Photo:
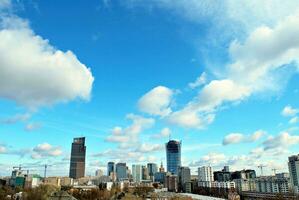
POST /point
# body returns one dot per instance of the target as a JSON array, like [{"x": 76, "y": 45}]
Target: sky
[{"x": 220, "y": 76}]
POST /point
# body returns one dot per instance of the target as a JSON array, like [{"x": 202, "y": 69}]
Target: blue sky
[{"x": 127, "y": 74}]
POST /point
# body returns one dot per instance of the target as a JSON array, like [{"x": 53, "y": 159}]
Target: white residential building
[
  {"x": 224, "y": 184},
  {"x": 280, "y": 183},
  {"x": 205, "y": 174}
]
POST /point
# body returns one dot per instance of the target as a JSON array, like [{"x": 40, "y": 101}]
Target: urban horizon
[{"x": 190, "y": 83}]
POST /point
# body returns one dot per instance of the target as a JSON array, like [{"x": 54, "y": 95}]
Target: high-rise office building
[
  {"x": 184, "y": 175},
  {"x": 121, "y": 171},
  {"x": 110, "y": 168},
  {"x": 152, "y": 169},
  {"x": 173, "y": 156},
  {"x": 77, "y": 164},
  {"x": 145, "y": 175},
  {"x": 137, "y": 173},
  {"x": 294, "y": 172}
]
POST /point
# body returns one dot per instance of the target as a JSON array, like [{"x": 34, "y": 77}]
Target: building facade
[
  {"x": 294, "y": 172},
  {"x": 205, "y": 173},
  {"x": 184, "y": 175},
  {"x": 171, "y": 183},
  {"x": 121, "y": 171},
  {"x": 77, "y": 163},
  {"x": 110, "y": 168},
  {"x": 152, "y": 169},
  {"x": 137, "y": 173},
  {"x": 173, "y": 156}
]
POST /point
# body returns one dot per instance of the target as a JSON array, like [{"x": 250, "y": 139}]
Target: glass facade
[
  {"x": 173, "y": 156},
  {"x": 110, "y": 168},
  {"x": 121, "y": 171},
  {"x": 77, "y": 163}
]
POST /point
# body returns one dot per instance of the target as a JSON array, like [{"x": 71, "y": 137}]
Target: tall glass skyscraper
[
  {"x": 77, "y": 165},
  {"x": 173, "y": 156},
  {"x": 110, "y": 168},
  {"x": 121, "y": 171}
]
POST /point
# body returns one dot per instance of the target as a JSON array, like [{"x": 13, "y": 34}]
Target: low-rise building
[{"x": 52, "y": 181}]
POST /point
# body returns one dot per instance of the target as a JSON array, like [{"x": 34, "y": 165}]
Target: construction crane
[
  {"x": 20, "y": 168},
  {"x": 45, "y": 170},
  {"x": 261, "y": 167}
]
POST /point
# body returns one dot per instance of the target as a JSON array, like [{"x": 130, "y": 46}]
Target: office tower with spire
[
  {"x": 173, "y": 156},
  {"x": 77, "y": 163}
]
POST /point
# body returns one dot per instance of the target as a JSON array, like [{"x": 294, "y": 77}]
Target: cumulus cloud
[
  {"x": 156, "y": 101},
  {"x": 129, "y": 136},
  {"x": 211, "y": 159},
  {"x": 33, "y": 73},
  {"x": 235, "y": 138},
  {"x": 201, "y": 80},
  {"x": 294, "y": 120},
  {"x": 165, "y": 132},
  {"x": 122, "y": 155},
  {"x": 261, "y": 63},
  {"x": 289, "y": 111},
  {"x": 45, "y": 150},
  {"x": 200, "y": 112},
  {"x": 147, "y": 148},
  {"x": 281, "y": 141}
]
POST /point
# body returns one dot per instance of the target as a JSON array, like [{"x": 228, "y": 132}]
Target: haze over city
[{"x": 219, "y": 76}]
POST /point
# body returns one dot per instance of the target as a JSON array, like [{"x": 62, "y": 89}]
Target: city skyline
[{"x": 129, "y": 76}]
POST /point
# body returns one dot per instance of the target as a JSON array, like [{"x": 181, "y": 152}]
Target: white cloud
[
  {"x": 200, "y": 112},
  {"x": 32, "y": 126},
  {"x": 262, "y": 63},
  {"x": 165, "y": 132},
  {"x": 289, "y": 111},
  {"x": 201, "y": 80},
  {"x": 5, "y": 4},
  {"x": 148, "y": 148},
  {"x": 156, "y": 101},
  {"x": 281, "y": 141},
  {"x": 211, "y": 159},
  {"x": 2, "y": 149},
  {"x": 16, "y": 118},
  {"x": 235, "y": 138},
  {"x": 129, "y": 136},
  {"x": 294, "y": 120},
  {"x": 33, "y": 73},
  {"x": 45, "y": 150}
]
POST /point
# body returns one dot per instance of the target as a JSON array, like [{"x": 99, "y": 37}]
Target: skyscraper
[
  {"x": 173, "y": 156},
  {"x": 184, "y": 175},
  {"x": 121, "y": 171},
  {"x": 152, "y": 169},
  {"x": 137, "y": 173},
  {"x": 110, "y": 168},
  {"x": 294, "y": 172},
  {"x": 77, "y": 164},
  {"x": 145, "y": 175}
]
